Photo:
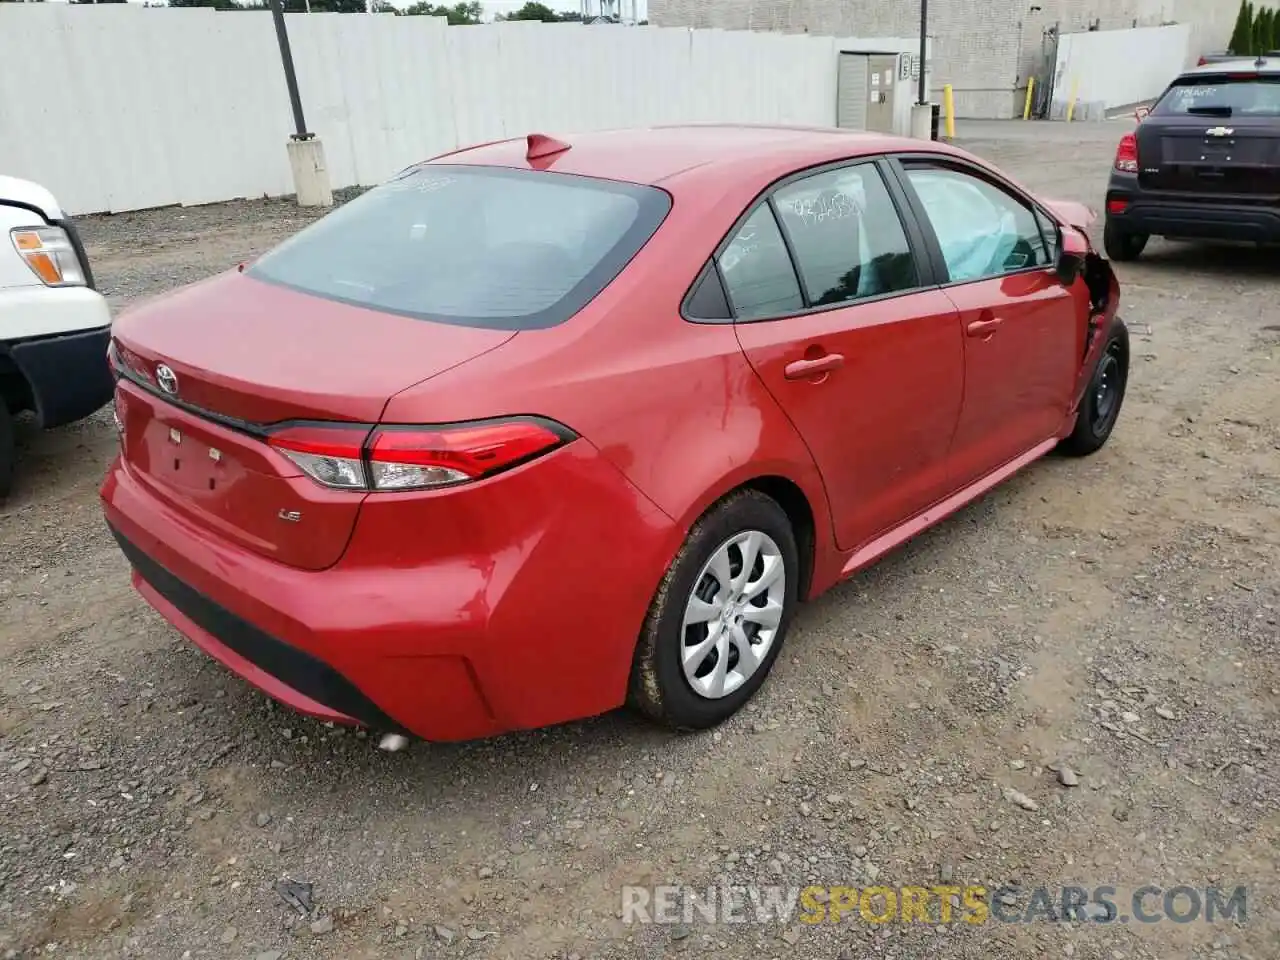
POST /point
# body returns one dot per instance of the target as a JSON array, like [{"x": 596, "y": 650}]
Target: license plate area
[{"x": 189, "y": 462}]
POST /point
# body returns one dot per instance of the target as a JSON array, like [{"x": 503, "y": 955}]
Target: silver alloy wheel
[{"x": 732, "y": 616}]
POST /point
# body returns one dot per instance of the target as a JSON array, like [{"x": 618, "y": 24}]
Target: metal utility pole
[
  {"x": 922, "y": 97},
  {"x": 290, "y": 78}
]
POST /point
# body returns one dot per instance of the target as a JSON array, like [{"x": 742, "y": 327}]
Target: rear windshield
[
  {"x": 1222, "y": 96},
  {"x": 478, "y": 246}
]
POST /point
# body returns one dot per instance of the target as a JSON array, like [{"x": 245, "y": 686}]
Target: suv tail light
[
  {"x": 1201, "y": 62},
  {"x": 388, "y": 458},
  {"x": 1127, "y": 154}
]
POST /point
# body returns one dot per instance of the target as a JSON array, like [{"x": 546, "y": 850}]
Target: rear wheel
[
  {"x": 720, "y": 615},
  {"x": 1100, "y": 406},
  {"x": 1122, "y": 244},
  {"x": 8, "y": 454}
]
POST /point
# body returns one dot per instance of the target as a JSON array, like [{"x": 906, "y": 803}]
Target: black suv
[{"x": 1203, "y": 164}]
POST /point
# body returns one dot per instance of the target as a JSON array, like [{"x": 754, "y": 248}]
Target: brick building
[{"x": 985, "y": 49}]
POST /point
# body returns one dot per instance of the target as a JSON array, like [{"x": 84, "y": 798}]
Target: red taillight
[
  {"x": 1201, "y": 62},
  {"x": 1117, "y": 205},
  {"x": 330, "y": 454},
  {"x": 359, "y": 457},
  {"x": 124, "y": 360},
  {"x": 1127, "y": 154}
]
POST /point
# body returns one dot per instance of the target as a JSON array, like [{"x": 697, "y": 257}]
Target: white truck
[{"x": 54, "y": 326}]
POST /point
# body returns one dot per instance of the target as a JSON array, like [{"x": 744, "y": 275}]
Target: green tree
[
  {"x": 1260, "y": 33},
  {"x": 216, "y": 4},
  {"x": 1242, "y": 35},
  {"x": 459, "y": 14},
  {"x": 535, "y": 11}
]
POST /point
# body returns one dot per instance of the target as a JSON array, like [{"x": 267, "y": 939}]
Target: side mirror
[{"x": 1073, "y": 247}]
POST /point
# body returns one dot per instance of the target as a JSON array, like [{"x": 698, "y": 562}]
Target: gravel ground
[{"x": 1095, "y": 639}]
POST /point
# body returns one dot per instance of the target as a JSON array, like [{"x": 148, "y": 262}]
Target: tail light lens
[
  {"x": 332, "y": 456},
  {"x": 49, "y": 253},
  {"x": 1201, "y": 62},
  {"x": 1127, "y": 154},
  {"x": 123, "y": 360},
  {"x": 390, "y": 458}
]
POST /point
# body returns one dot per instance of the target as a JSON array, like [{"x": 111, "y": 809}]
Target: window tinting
[
  {"x": 757, "y": 269},
  {"x": 1211, "y": 96},
  {"x": 845, "y": 231},
  {"x": 983, "y": 231},
  {"x": 708, "y": 302},
  {"x": 478, "y": 246}
]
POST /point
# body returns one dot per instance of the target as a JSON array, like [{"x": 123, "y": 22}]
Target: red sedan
[{"x": 540, "y": 428}]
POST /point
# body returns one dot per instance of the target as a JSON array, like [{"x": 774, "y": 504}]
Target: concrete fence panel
[{"x": 119, "y": 107}]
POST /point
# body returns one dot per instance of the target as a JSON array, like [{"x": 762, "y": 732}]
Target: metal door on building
[{"x": 865, "y": 85}]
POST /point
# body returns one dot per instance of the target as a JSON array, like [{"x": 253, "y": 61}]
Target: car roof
[
  {"x": 1262, "y": 65},
  {"x": 667, "y": 154}
]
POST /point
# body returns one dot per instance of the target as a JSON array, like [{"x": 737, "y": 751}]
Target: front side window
[
  {"x": 982, "y": 230},
  {"x": 1049, "y": 231},
  {"x": 477, "y": 246},
  {"x": 848, "y": 240},
  {"x": 757, "y": 269}
]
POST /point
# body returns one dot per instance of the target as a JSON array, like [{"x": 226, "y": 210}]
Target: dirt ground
[{"x": 1116, "y": 616}]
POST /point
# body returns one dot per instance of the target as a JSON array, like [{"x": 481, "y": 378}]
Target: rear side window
[
  {"x": 1222, "y": 96},
  {"x": 757, "y": 269},
  {"x": 848, "y": 240},
  {"x": 477, "y": 246}
]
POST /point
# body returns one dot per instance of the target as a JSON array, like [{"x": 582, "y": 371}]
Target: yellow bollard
[
  {"x": 1026, "y": 107},
  {"x": 949, "y": 111},
  {"x": 1075, "y": 89}
]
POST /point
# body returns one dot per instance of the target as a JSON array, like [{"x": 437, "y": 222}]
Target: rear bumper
[
  {"x": 533, "y": 627},
  {"x": 1189, "y": 218},
  {"x": 287, "y": 673}
]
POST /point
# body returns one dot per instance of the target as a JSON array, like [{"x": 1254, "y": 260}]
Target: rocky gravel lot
[{"x": 1073, "y": 681}]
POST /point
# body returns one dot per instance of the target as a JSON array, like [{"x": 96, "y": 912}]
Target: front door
[
  {"x": 866, "y": 361},
  {"x": 1019, "y": 322}
]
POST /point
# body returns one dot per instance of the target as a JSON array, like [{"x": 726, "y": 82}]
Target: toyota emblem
[{"x": 167, "y": 379}]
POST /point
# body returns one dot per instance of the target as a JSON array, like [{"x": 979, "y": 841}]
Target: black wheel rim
[{"x": 1108, "y": 388}]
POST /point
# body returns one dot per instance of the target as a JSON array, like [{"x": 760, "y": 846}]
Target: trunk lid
[
  {"x": 256, "y": 352},
  {"x": 1211, "y": 156},
  {"x": 245, "y": 354}
]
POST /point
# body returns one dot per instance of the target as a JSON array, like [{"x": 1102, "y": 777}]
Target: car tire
[
  {"x": 1122, "y": 244},
  {"x": 1101, "y": 403},
  {"x": 677, "y": 662},
  {"x": 8, "y": 451}
]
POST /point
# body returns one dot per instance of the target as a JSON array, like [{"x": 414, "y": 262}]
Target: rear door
[
  {"x": 1020, "y": 324},
  {"x": 1216, "y": 136},
  {"x": 840, "y": 319}
]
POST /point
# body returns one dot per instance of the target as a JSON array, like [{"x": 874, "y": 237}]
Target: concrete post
[
  {"x": 310, "y": 174},
  {"x": 922, "y": 121}
]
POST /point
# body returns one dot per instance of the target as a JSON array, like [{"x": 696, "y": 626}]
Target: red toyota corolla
[{"x": 540, "y": 428}]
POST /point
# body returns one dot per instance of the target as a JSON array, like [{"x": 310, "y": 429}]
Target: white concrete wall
[
  {"x": 1115, "y": 68},
  {"x": 985, "y": 49},
  {"x": 119, "y": 107}
]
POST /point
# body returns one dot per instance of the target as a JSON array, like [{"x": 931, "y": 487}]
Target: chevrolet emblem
[{"x": 1219, "y": 132}]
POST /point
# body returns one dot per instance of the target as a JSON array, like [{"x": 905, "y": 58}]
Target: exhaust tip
[{"x": 393, "y": 742}]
